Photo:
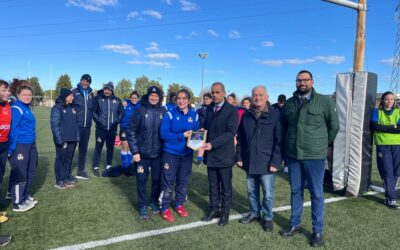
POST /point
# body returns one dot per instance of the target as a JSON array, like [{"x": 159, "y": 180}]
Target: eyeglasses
[{"x": 302, "y": 80}]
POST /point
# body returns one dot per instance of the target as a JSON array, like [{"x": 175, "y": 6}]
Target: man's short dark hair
[
  {"x": 220, "y": 84},
  {"x": 305, "y": 71},
  {"x": 282, "y": 98},
  {"x": 4, "y": 83}
]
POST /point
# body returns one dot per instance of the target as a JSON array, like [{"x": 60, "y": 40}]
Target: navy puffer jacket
[
  {"x": 64, "y": 123},
  {"x": 143, "y": 132}
]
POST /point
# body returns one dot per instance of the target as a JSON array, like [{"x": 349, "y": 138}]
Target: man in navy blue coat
[{"x": 258, "y": 152}]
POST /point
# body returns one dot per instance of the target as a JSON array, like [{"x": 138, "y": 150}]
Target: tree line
[{"x": 122, "y": 89}]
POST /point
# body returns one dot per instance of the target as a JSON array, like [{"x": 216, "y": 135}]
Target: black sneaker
[
  {"x": 5, "y": 239},
  {"x": 71, "y": 180},
  {"x": 96, "y": 172},
  {"x": 392, "y": 204},
  {"x": 83, "y": 176}
]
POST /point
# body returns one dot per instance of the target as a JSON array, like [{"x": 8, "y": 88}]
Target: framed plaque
[{"x": 197, "y": 139}]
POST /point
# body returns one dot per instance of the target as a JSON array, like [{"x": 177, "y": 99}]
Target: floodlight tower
[{"x": 202, "y": 55}]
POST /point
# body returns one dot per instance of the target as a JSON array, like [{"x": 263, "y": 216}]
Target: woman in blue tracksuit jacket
[
  {"x": 132, "y": 104},
  {"x": 177, "y": 157},
  {"x": 22, "y": 150},
  {"x": 65, "y": 128}
]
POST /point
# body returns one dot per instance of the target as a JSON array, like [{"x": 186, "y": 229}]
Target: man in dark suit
[{"x": 221, "y": 123}]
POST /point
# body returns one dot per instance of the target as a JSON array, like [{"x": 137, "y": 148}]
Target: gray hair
[{"x": 259, "y": 87}]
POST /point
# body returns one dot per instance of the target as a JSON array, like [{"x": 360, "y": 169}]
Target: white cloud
[
  {"x": 169, "y": 2},
  {"x": 188, "y": 36},
  {"x": 234, "y": 34},
  {"x": 162, "y": 56},
  {"x": 213, "y": 33},
  {"x": 331, "y": 59},
  {"x": 267, "y": 44},
  {"x": 92, "y": 5},
  {"x": 270, "y": 62},
  {"x": 132, "y": 15},
  {"x": 152, "y": 13},
  {"x": 188, "y": 6},
  {"x": 298, "y": 61},
  {"x": 220, "y": 71},
  {"x": 153, "y": 47},
  {"x": 151, "y": 63},
  {"x": 121, "y": 49},
  {"x": 387, "y": 61}
]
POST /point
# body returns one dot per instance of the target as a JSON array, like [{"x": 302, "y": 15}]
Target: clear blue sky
[{"x": 250, "y": 42}]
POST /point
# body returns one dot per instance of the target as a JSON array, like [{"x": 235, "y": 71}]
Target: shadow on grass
[
  {"x": 199, "y": 194},
  {"x": 41, "y": 173}
]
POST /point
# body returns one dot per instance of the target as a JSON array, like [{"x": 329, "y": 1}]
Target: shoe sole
[
  {"x": 24, "y": 210},
  {"x": 82, "y": 178},
  {"x": 60, "y": 188},
  {"x": 5, "y": 243}
]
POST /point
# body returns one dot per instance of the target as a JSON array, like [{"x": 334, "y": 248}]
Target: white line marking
[{"x": 141, "y": 235}]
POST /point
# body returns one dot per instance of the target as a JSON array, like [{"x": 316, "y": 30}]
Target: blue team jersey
[{"x": 173, "y": 125}]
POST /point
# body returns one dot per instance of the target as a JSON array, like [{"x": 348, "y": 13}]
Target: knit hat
[
  {"x": 109, "y": 85},
  {"x": 155, "y": 89},
  {"x": 87, "y": 77},
  {"x": 64, "y": 93}
]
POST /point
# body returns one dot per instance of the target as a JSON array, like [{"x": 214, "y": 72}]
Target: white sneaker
[
  {"x": 23, "y": 207},
  {"x": 33, "y": 202}
]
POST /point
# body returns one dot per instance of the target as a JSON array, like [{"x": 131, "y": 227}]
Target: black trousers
[
  {"x": 84, "y": 136},
  {"x": 220, "y": 186},
  {"x": 109, "y": 138},
  {"x": 144, "y": 167},
  {"x": 63, "y": 162},
  {"x": 23, "y": 164},
  {"x": 3, "y": 160}
]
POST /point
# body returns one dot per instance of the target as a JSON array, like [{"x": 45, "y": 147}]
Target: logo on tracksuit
[
  {"x": 166, "y": 166},
  {"x": 380, "y": 155},
  {"x": 140, "y": 169},
  {"x": 190, "y": 120},
  {"x": 98, "y": 139},
  {"x": 20, "y": 157}
]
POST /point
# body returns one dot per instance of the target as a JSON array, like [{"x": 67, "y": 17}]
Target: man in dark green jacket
[{"x": 311, "y": 125}]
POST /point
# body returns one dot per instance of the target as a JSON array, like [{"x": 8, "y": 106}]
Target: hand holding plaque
[{"x": 197, "y": 139}]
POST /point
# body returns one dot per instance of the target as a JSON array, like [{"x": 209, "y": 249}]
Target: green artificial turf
[{"x": 101, "y": 208}]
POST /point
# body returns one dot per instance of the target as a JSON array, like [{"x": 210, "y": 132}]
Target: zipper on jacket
[
  {"x": 108, "y": 114},
  {"x": 84, "y": 97}
]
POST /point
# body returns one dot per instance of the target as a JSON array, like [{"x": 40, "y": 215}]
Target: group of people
[{"x": 255, "y": 136}]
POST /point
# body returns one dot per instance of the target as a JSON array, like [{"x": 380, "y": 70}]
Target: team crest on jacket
[
  {"x": 166, "y": 166},
  {"x": 140, "y": 170},
  {"x": 380, "y": 155},
  {"x": 64, "y": 111},
  {"x": 98, "y": 139},
  {"x": 73, "y": 111},
  {"x": 123, "y": 135},
  {"x": 177, "y": 118},
  {"x": 190, "y": 120},
  {"x": 146, "y": 115},
  {"x": 115, "y": 101},
  {"x": 20, "y": 157}
]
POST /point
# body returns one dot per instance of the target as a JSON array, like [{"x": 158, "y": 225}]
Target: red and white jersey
[{"x": 5, "y": 121}]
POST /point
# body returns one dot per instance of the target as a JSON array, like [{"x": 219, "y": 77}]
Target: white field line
[{"x": 141, "y": 235}]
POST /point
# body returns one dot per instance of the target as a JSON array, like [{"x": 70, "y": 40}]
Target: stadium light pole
[
  {"x": 202, "y": 55},
  {"x": 359, "y": 49}
]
